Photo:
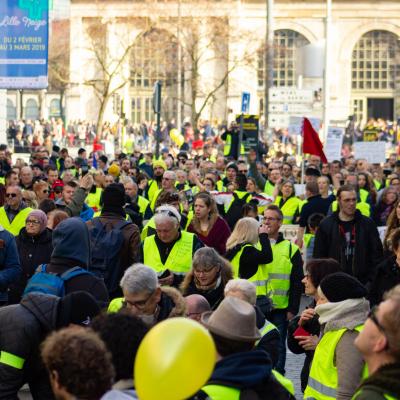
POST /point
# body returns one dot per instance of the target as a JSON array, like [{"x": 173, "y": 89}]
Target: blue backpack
[
  {"x": 49, "y": 283},
  {"x": 106, "y": 245}
]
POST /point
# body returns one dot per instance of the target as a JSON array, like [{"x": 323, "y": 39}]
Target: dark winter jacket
[
  {"x": 368, "y": 247},
  {"x": 387, "y": 276},
  {"x": 22, "y": 329},
  {"x": 33, "y": 251},
  {"x": 72, "y": 248},
  {"x": 383, "y": 381},
  {"x": 247, "y": 370},
  {"x": 10, "y": 270},
  {"x": 270, "y": 341},
  {"x": 171, "y": 304}
]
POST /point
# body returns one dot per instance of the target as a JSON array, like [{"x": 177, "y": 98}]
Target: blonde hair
[
  {"x": 246, "y": 231},
  {"x": 30, "y": 198}
]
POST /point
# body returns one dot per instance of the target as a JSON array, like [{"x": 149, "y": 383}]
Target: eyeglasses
[
  {"x": 271, "y": 219},
  {"x": 372, "y": 316},
  {"x": 13, "y": 195},
  {"x": 137, "y": 304},
  {"x": 32, "y": 222}
]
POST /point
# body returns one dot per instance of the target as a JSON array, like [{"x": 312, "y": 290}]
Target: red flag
[{"x": 311, "y": 143}]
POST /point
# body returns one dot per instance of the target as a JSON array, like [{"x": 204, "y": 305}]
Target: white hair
[
  {"x": 246, "y": 288},
  {"x": 139, "y": 278},
  {"x": 125, "y": 179},
  {"x": 165, "y": 213}
]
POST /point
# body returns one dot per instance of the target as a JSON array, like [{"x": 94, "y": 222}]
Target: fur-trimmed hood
[{"x": 172, "y": 304}]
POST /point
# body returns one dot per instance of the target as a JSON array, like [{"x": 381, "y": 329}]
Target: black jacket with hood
[
  {"x": 22, "y": 329},
  {"x": 72, "y": 248},
  {"x": 249, "y": 371},
  {"x": 368, "y": 251}
]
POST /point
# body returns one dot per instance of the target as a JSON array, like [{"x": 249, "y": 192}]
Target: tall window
[
  {"x": 285, "y": 44},
  {"x": 11, "y": 110},
  {"x": 154, "y": 57},
  {"x": 31, "y": 109},
  {"x": 374, "y": 61}
]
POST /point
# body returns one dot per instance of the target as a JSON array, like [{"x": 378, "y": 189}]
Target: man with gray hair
[
  {"x": 270, "y": 337},
  {"x": 167, "y": 185},
  {"x": 169, "y": 251},
  {"x": 144, "y": 298}
]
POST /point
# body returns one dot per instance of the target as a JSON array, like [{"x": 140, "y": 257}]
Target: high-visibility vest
[
  {"x": 11, "y": 360},
  {"x": 363, "y": 195},
  {"x": 143, "y": 203},
  {"x": 154, "y": 199},
  {"x": 220, "y": 186},
  {"x": 269, "y": 188},
  {"x": 17, "y": 223},
  {"x": 93, "y": 199},
  {"x": 289, "y": 208},
  {"x": 152, "y": 189},
  {"x": 307, "y": 239},
  {"x": 219, "y": 392},
  {"x": 185, "y": 187},
  {"x": 279, "y": 271},
  {"x": 228, "y": 144},
  {"x": 240, "y": 195},
  {"x": 115, "y": 305},
  {"x": 260, "y": 279},
  {"x": 267, "y": 327},
  {"x": 179, "y": 260},
  {"x": 150, "y": 224},
  {"x": 323, "y": 378},
  {"x": 364, "y": 208},
  {"x": 2, "y": 180}
]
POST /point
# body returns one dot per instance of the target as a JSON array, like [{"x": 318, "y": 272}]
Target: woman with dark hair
[
  {"x": 366, "y": 188},
  {"x": 316, "y": 270},
  {"x": 385, "y": 206},
  {"x": 388, "y": 271},
  {"x": 209, "y": 274},
  {"x": 393, "y": 222},
  {"x": 209, "y": 227}
]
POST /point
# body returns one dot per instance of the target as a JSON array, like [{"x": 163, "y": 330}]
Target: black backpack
[
  {"x": 105, "y": 250},
  {"x": 235, "y": 210}
]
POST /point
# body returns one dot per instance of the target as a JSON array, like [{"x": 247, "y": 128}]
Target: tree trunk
[{"x": 100, "y": 117}]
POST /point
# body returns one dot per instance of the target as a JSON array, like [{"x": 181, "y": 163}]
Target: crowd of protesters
[{"x": 119, "y": 244}]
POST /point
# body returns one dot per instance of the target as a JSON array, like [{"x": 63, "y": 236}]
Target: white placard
[
  {"x": 373, "y": 152},
  {"x": 289, "y": 232},
  {"x": 333, "y": 145}
]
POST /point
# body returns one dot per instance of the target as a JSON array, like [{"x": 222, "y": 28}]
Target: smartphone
[{"x": 300, "y": 331}]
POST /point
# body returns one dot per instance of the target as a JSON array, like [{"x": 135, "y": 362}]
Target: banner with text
[
  {"x": 24, "y": 32},
  {"x": 373, "y": 152},
  {"x": 333, "y": 145}
]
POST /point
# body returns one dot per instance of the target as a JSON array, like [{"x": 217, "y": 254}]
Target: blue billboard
[{"x": 24, "y": 33}]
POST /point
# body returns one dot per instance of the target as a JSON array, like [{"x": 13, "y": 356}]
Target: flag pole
[{"x": 302, "y": 153}]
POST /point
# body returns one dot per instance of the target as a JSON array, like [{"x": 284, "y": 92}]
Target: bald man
[{"x": 195, "y": 306}]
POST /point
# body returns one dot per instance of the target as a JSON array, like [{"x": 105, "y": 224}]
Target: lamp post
[
  {"x": 269, "y": 62},
  {"x": 328, "y": 23}
]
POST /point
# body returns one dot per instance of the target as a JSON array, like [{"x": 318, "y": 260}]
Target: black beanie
[
  {"x": 113, "y": 196},
  {"x": 341, "y": 286},
  {"x": 77, "y": 308}
]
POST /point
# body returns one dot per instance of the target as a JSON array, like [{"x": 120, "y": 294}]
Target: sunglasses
[
  {"x": 167, "y": 212},
  {"x": 13, "y": 195},
  {"x": 372, "y": 316}
]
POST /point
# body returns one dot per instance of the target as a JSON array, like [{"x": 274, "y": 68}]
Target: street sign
[
  {"x": 24, "y": 31},
  {"x": 250, "y": 131},
  {"x": 290, "y": 95},
  {"x": 245, "y": 102}
]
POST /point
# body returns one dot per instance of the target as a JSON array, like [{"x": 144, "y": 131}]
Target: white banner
[
  {"x": 333, "y": 145},
  {"x": 373, "y": 152}
]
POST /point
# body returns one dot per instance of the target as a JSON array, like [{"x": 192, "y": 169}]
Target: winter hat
[
  {"x": 341, "y": 286},
  {"x": 160, "y": 163},
  {"x": 233, "y": 166},
  {"x": 113, "y": 199},
  {"x": 114, "y": 170},
  {"x": 77, "y": 308},
  {"x": 41, "y": 217}
]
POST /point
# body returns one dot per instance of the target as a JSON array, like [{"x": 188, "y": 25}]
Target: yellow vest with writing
[
  {"x": 179, "y": 260},
  {"x": 323, "y": 378},
  {"x": 17, "y": 223}
]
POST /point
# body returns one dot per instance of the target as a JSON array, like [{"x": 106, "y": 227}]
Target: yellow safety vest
[
  {"x": 279, "y": 271},
  {"x": 220, "y": 186},
  {"x": 179, "y": 260},
  {"x": 260, "y": 279},
  {"x": 289, "y": 208},
  {"x": 17, "y": 223},
  {"x": 219, "y": 392},
  {"x": 363, "y": 195},
  {"x": 268, "y": 327},
  {"x": 307, "y": 239},
  {"x": 152, "y": 189},
  {"x": 93, "y": 199},
  {"x": 150, "y": 224},
  {"x": 269, "y": 188},
  {"x": 228, "y": 144},
  {"x": 364, "y": 208},
  {"x": 2, "y": 180},
  {"x": 142, "y": 203},
  {"x": 240, "y": 195},
  {"x": 323, "y": 378},
  {"x": 154, "y": 199}
]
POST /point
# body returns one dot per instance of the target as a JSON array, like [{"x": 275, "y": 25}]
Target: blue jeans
[{"x": 279, "y": 319}]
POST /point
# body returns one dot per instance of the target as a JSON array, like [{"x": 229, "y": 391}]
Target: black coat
[
  {"x": 368, "y": 246},
  {"x": 22, "y": 329},
  {"x": 387, "y": 276},
  {"x": 33, "y": 251}
]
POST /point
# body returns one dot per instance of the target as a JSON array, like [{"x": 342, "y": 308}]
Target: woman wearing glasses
[
  {"x": 34, "y": 247},
  {"x": 338, "y": 367},
  {"x": 41, "y": 189}
]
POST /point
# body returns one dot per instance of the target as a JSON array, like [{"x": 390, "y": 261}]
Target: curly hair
[
  {"x": 122, "y": 334},
  {"x": 81, "y": 360}
]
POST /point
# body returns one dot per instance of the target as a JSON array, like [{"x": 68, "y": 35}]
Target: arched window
[
  {"x": 11, "y": 110},
  {"x": 374, "y": 61},
  {"x": 285, "y": 44},
  {"x": 55, "y": 108},
  {"x": 31, "y": 109},
  {"x": 154, "y": 57}
]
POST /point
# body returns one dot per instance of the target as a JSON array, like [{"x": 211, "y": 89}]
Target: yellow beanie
[
  {"x": 114, "y": 170},
  {"x": 160, "y": 163}
]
